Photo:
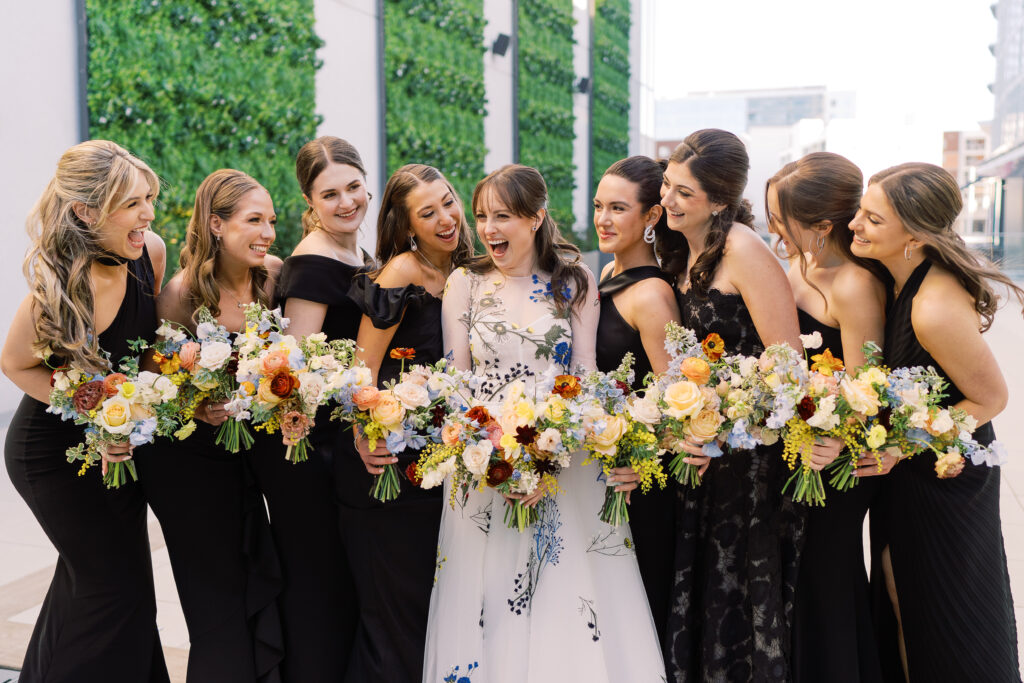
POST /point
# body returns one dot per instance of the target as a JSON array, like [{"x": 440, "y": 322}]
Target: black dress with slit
[
  {"x": 946, "y": 545},
  {"x": 833, "y": 633},
  {"x": 318, "y": 604},
  {"x": 98, "y": 620},
  {"x": 651, "y": 516},
  {"x": 737, "y": 544},
  {"x": 392, "y": 546}
]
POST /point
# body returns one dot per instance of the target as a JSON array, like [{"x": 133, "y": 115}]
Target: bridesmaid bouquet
[
  {"x": 203, "y": 366},
  {"x": 115, "y": 408},
  {"x": 615, "y": 438}
]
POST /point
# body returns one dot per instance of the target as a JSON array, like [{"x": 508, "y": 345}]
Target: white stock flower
[{"x": 812, "y": 340}]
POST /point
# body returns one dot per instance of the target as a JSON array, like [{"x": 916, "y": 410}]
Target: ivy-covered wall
[
  {"x": 610, "y": 109},
  {"x": 191, "y": 86},
  {"x": 434, "y": 70},
  {"x": 546, "y": 81}
]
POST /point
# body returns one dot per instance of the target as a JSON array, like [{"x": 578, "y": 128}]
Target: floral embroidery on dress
[
  {"x": 588, "y": 612},
  {"x": 547, "y": 544},
  {"x": 454, "y": 675},
  {"x": 612, "y": 544}
]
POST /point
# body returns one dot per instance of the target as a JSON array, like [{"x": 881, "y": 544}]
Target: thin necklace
[{"x": 238, "y": 302}]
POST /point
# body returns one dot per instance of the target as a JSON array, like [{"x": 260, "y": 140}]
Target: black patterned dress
[
  {"x": 946, "y": 544},
  {"x": 738, "y": 542}
]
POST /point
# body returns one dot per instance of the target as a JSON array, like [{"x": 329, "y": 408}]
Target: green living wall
[
  {"x": 610, "y": 109},
  {"x": 546, "y": 81},
  {"x": 434, "y": 70},
  {"x": 193, "y": 86}
]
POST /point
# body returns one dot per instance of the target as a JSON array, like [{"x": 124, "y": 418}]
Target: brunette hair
[
  {"x": 98, "y": 174},
  {"x": 648, "y": 174},
  {"x": 927, "y": 200},
  {"x": 394, "y": 226},
  {"x": 313, "y": 158},
  {"x": 218, "y": 195},
  {"x": 821, "y": 186},
  {"x": 523, "y": 192},
  {"x": 718, "y": 161}
]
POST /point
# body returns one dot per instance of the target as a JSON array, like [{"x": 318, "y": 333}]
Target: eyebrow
[{"x": 428, "y": 206}]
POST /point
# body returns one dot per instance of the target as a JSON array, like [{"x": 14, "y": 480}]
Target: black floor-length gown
[
  {"x": 225, "y": 565},
  {"x": 833, "y": 633},
  {"x": 946, "y": 544},
  {"x": 318, "y": 604},
  {"x": 738, "y": 542},
  {"x": 98, "y": 621},
  {"x": 392, "y": 546},
  {"x": 651, "y": 515}
]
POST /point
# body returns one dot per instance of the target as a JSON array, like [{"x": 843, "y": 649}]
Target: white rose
[
  {"x": 645, "y": 410},
  {"x": 411, "y": 396},
  {"x": 311, "y": 387},
  {"x": 823, "y": 420},
  {"x": 942, "y": 423},
  {"x": 115, "y": 416},
  {"x": 417, "y": 375},
  {"x": 477, "y": 457},
  {"x": 214, "y": 355},
  {"x": 165, "y": 388},
  {"x": 549, "y": 440},
  {"x": 812, "y": 340}
]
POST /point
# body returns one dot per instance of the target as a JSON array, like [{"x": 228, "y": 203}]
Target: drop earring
[{"x": 412, "y": 243}]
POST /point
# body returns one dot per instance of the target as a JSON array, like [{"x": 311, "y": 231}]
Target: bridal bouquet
[
  {"x": 616, "y": 438},
  {"x": 203, "y": 367},
  {"x": 115, "y": 408},
  {"x": 406, "y": 414}
]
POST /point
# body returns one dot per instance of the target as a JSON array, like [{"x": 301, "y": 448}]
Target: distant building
[{"x": 962, "y": 152}]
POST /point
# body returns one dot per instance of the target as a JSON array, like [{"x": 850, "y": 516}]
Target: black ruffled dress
[{"x": 392, "y": 546}]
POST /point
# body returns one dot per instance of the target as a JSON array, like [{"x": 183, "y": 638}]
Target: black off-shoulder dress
[
  {"x": 98, "y": 621},
  {"x": 651, "y": 516},
  {"x": 392, "y": 546}
]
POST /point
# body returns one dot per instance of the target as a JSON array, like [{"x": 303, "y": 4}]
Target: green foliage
[
  {"x": 193, "y": 86},
  {"x": 433, "y": 52},
  {"x": 610, "y": 130},
  {"x": 546, "y": 119}
]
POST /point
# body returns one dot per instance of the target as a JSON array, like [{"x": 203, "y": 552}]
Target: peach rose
[
  {"x": 704, "y": 425},
  {"x": 607, "y": 440},
  {"x": 450, "y": 433},
  {"x": 388, "y": 411},
  {"x": 187, "y": 355},
  {"x": 711, "y": 398},
  {"x": 264, "y": 394},
  {"x": 696, "y": 370},
  {"x": 365, "y": 398},
  {"x": 949, "y": 465},
  {"x": 860, "y": 395},
  {"x": 683, "y": 399},
  {"x": 273, "y": 361}
]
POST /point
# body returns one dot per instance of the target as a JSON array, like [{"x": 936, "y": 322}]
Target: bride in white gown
[{"x": 563, "y": 600}]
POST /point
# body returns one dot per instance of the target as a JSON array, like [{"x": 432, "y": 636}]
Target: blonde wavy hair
[
  {"x": 218, "y": 195},
  {"x": 98, "y": 174}
]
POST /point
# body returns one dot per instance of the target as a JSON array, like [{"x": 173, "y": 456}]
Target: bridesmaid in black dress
[
  {"x": 319, "y": 602},
  {"x": 810, "y": 204},
  {"x": 941, "y": 539},
  {"x": 422, "y": 236},
  {"x": 213, "y": 520},
  {"x": 95, "y": 269},
  {"x": 637, "y": 300},
  {"x": 738, "y": 538}
]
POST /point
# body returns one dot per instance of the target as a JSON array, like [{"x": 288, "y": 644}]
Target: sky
[{"x": 919, "y": 67}]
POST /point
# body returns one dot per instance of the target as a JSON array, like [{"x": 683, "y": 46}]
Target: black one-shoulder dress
[
  {"x": 318, "y": 604},
  {"x": 392, "y": 547},
  {"x": 651, "y": 515},
  {"x": 946, "y": 544},
  {"x": 98, "y": 621},
  {"x": 833, "y": 633}
]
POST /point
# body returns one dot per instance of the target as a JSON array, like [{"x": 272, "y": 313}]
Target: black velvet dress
[
  {"x": 318, "y": 604},
  {"x": 737, "y": 544},
  {"x": 98, "y": 621},
  {"x": 392, "y": 546},
  {"x": 946, "y": 544},
  {"x": 651, "y": 516},
  {"x": 833, "y": 634}
]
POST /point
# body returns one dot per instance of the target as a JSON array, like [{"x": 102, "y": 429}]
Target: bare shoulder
[
  {"x": 607, "y": 270},
  {"x": 155, "y": 246},
  {"x": 404, "y": 269},
  {"x": 742, "y": 241},
  {"x": 170, "y": 304},
  {"x": 311, "y": 245},
  {"x": 652, "y": 292},
  {"x": 941, "y": 302},
  {"x": 273, "y": 265},
  {"x": 854, "y": 284}
]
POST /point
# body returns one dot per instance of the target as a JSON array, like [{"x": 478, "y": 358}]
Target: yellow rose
[
  {"x": 388, "y": 411},
  {"x": 683, "y": 399},
  {"x": 554, "y": 407},
  {"x": 615, "y": 427},
  {"x": 114, "y": 415},
  {"x": 876, "y": 437},
  {"x": 525, "y": 412},
  {"x": 859, "y": 394},
  {"x": 265, "y": 395},
  {"x": 704, "y": 425}
]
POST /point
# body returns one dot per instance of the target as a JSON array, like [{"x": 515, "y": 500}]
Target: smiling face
[
  {"x": 509, "y": 239},
  {"x": 619, "y": 217},
  {"x": 878, "y": 232},
  {"x": 339, "y": 198},
  {"x": 792, "y": 235},
  {"x": 687, "y": 205},
  {"x": 248, "y": 233},
  {"x": 434, "y": 217},
  {"x": 123, "y": 231}
]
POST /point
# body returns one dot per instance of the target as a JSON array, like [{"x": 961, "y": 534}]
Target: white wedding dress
[{"x": 562, "y": 601}]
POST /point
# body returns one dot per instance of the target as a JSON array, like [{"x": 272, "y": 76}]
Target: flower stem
[{"x": 386, "y": 485}]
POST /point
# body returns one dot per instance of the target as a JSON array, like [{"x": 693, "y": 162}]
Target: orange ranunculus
[
  {"x": 402, "y": 353},
  {"x": 112, "y": 381},
  {"x": 713, "y": 346},
  {"x": 188, "y": 353},
  {"x": 826, "y": 363},
  {"x": 567, "y": 386},
  {"x": 283, "y": 383},
  {"x": 273, "y": 361},
  {"x": 479, "y": 415},
  {"x": 696, "y": 370}
]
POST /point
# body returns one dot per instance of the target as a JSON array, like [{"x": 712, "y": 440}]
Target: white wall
[
  {"x": 581, "y": 110},
  {"x": 498, "y": 73},
  {"x": 39, "y": 120},
  {"x": 641, "y": 78},
  {"x": 347, "y": 91}
]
